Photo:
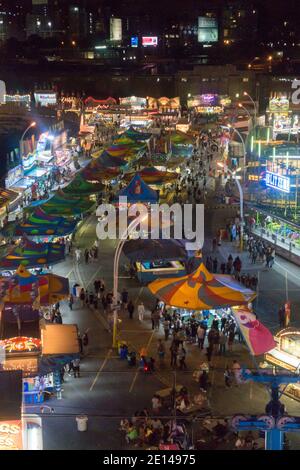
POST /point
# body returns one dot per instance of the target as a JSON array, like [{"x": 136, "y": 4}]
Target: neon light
[
  {"x": 21, "y": 344},
  {"x": 259, "y": 148},
  {"x": 252, "y": 143},
  {"x": 279, "y": 182}
]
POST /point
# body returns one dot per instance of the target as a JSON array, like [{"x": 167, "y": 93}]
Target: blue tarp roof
[{"x": 138, "y": 191}]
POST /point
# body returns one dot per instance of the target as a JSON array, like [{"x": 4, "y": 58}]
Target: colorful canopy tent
[
  {"x": 66, "y": 205},
  {"x": 39, "y": 223},
  {"x": 81, "y": 186},
  {"x": 123, "y": 151},
  {"x": 257, "y": 337},
  {"x": 131, "y": 133},
  {"x": 31, "y": 254},
  {"x": 181, "y": 138},
  {"x": 152, "y": 175},
  {"x": 124, "y": 140},
  {"x": 95, "y": 171},
  {"x": 108, "y": 161},
  {"x": 159, "y": 159},
  {"x": 25, "y": 288},
  {"x": 138, "y": 191},
  {"x": 201, "y": 290},
  {"x": 150, "y": 250}
]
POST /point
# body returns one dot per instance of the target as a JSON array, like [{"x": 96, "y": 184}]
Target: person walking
[
  {"x": 231, "y": 336},
  {"x": 222, "y": 343},
  {"x": 201, "y": 333},
  {"x": 181, "y": 357},
  {"x": 166, "y": 327},
  {"x": 71, "y": 301},
  {"x": 130, "y": 309},
  {"x": 76, "y": 367},
  {"x": 82, "y": 297},
  {"x": 161, "y": 351},
  {"x": 281, "y": 317},
  {"x": 209, "y": 352},
  {"x": 141, "y": 311},
  {"x": 153, "y": 319},
  {"x": 124, "y": 298},
  {"x": 236, "y": 371},
  {"x": 228, "y": 377},
  {"x": 58, "y": 318},
  {"x": 174, "y": 351}
]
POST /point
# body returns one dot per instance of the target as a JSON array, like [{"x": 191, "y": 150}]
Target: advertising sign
[
  {"x": 45, "y": 99},
  {"x": 207, "y": 29},
  {"x": 134, "y": 101},
  {"x": 11, "y": 435},
  {"x": 28, "y": 160},
  {"x": 14, "y": 175},
  {"x": 279, "y": 105},
  {"x": 134, "y": 41},
  {"x": 279, "y": 182},
  {"x": 22, "y": 99},
  {"x": 115, "y": 29},
  {"x": 149, "y": 41}
]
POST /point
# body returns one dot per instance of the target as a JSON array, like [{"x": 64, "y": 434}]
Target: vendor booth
[{"x": 286, "y": 355}]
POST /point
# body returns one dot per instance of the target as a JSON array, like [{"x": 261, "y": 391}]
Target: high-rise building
[{"x": 239, "y": 21}]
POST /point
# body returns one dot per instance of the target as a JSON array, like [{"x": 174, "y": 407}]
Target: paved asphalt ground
[{"x": 108, "y": 389}]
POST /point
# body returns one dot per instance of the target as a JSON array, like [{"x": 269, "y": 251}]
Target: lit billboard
[
  {"x": 45, "y": 99},
  {"x": 134, "y": 41},
  {"x": 207, "y": 29},
  {"x": 115, "y": 29},
  {"x": 149, "y": 41}
]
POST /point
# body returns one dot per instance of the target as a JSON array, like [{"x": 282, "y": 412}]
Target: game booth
[{"x": 286, "y": 356}]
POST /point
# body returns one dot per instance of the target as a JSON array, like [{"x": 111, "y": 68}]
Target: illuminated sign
[
  {"x": 279, "y": 105},
  {"x": 29, "y": 161},
  {"x": 149, "y": 41},
  {"x": 134, "y": 41},
  {"x": 24, "y": 99},
  {"x": 21, "y": 344},
  {"x": 115, "y": 29},
  {"x": 207, "y": 29},
  {"x": 45, "y": 99},
  {"x": 134, "y": 102},
  {"x": 11, "y": 435},
  {"x": 13, "y": 176},
  {"x": 275, "y": 181}
]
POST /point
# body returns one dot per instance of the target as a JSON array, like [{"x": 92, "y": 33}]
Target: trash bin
[{"x": 82, "y": 421}]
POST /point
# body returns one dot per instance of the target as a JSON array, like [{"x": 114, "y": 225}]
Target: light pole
[
  {"x": 229, "y": 126},
  {"x": 233, "y": 175},
  {"x": 32, "y": 124},
  {"x": 240, "y": 105},
  {"x": 124, "y": 237},
  {"x": 254, "y": 104}
]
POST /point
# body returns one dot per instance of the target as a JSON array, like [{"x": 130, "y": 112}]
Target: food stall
[
  {"x": 286, "y": 355},
  {"x": 201, "y": 292}
]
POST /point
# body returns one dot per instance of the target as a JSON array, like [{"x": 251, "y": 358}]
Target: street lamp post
[
  {"x": 233, "y": 175},
  {"x": 229, "y": 126},
  {"x": 124, "y": 237},
  {"x": 254, "y": 104},
  {"x": 240, "y": 105},
  {"x": 32, "y": 124}
]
